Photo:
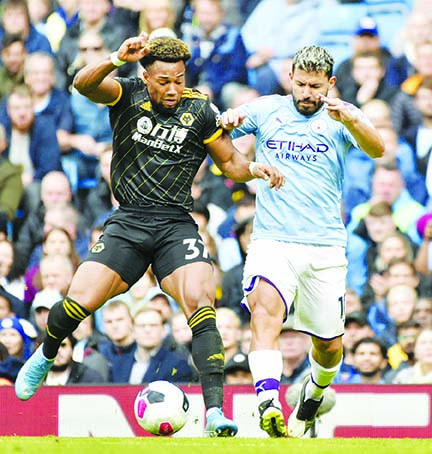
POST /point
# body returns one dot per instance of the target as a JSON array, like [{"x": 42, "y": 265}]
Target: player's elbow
[
  {"x": 78, "y": 82},
  {"x": 379, "y": 150}
]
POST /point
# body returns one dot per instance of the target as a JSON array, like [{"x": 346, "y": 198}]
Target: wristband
[
  {"x": 115, "y": 60},
  {"x": 252, "y": 166}
]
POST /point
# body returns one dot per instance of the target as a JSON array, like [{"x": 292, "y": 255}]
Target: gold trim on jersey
[
  {"x": 113, "y": 103},
  {"x": 189, "y": 93},
  {"x": 146, "y": 106},
  {"x": 215, "y": 136}
]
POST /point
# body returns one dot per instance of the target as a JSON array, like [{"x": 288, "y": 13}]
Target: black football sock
[
  {"x": 64, "y": 317},
  {"x": 208, "y": 355}
]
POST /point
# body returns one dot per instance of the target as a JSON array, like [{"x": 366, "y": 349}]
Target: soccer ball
[{"x": 161, "y": 408}]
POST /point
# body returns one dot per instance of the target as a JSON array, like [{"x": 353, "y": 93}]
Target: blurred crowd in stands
[{"x": 55, "y": 150}]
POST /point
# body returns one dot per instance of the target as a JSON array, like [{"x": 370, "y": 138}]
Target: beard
[
  {"x": 370, "y": 373},
  {"x": 309, "y": 109}
]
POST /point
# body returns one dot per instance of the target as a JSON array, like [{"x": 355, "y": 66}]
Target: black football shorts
[{"x": 134, "y": 239}]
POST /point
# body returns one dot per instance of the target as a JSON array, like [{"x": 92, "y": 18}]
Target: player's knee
[{"x": 328, "y": 347}]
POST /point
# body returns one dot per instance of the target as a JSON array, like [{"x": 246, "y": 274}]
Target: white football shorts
[{"x": 312, "y": 277}]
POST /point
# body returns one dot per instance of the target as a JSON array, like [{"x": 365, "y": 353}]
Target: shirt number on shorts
[
  {"x": 195, "y": 248},
  {"x": 342, "y": 307}
]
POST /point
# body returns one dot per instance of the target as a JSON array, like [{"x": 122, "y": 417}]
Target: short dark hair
[
  {"x": 11, "y": 38},
  {"x": 371, "y": 340},
  {"x": 201, "y": 208},
  {"x": 166, "y": 49},
  {"x": 407, "y": 325}
]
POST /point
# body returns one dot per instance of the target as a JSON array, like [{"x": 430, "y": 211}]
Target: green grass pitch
[{"x": 155, "y": 445}]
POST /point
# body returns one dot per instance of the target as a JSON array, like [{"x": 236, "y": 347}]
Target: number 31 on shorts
[{"x": 195, "y": 248}]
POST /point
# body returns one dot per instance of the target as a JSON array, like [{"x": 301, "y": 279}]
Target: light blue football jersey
[{"x": 310, "y": 152}]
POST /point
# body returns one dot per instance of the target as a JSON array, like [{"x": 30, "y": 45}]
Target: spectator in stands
[
  {"x": 6, "y": 306},
  {"x": 237, "y": 371},
  {"x": 42, "y": 303},
  {"x": 366, "y": 39},
  {"x": 378, "y": 112},
  {"x": 229, "y": 325},
  {"x": 135, "y": 296},
  {"x": 423, "y": 312},
  {"x": 218, "y": 52},
  {"x": 66, "y": 371},
  {"x": 12, "y": 275},
  {"x": 423, "y": 257},
  {"x": 276, "y": 29},
  {"x": 60, "y": 20},
  {"x": 86, "y": 350},
  {"x": 212, "y": 198},
  {"x": 396, "y": 308},
  {"x": 13, "y": 54},
  {"x": 118, "y": 327},
  {"x": 229, "y": 251},
  {"x": 420, "y": 136},
  {"x": 9, "y": 367},
  {"x": 245, "y": 339},
  {"x": 368, "y": 83},
  {"x": 423, "y": 68},
  {"x": 352, "y": 301},
  {"x": 398, "y": 151},
  {"x": 156, "y": 15},
  {"x": 151, "y": 359},
  {"x": 368, "y": 71},
  {"x": 294, "y": 346},
  {"x": 93, "y": 15},
  {"x": 157, "y": 299},
  {"x": 201, "y": 215},
  {"x": 180, "y": 330},
  {"x": 11, "y": 186},
  {"x": 64, "y": 217},
  {"x": 369, "y": 361},
  {"x": 99, "y": 198},
  {"x": 392, "y": 249},
  {"x": 181, "y": 334},
  {"x": 39, "y": 11},
  {"x": 91, "y": 120},
  {"x": 56, "y": 273},
  {"x": 388, "y": 185},
  {"x": 359, "y": 167},
  {"x": 17, "y": 335},
  {"x": 284, "y": 76},
  {"x": 416, "y": 30},
  {"x": 48, "y": 100},
  {"x": 364, "y": 241},
  {"x": 232, "y": 287},
  {"x": 32, "y": 142},
  {"x": 16, "y": 20},
  {"x": 356, "y": 327},
  {"x": 401, "y": 354},
  {"x": 56, "y": 191},
  {"x": 421, "y": 371},
  {"x": 402, "y": 271},
  {"x": 56, "y": 241}
]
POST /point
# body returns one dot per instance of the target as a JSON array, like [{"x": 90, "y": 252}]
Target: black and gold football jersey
[{"x": 156, "y": 155}]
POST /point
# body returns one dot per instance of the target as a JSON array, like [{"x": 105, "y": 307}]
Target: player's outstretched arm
[
  {"x": 367, "y": 137},
  {"x": 236, "y": 167},
  {"x": 92, "y": 81}
]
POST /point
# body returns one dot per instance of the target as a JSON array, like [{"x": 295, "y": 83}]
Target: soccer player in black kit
[{"x": 162, "y": 132}]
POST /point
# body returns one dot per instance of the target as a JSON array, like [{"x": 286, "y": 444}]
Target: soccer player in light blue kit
[{"x": 297, "y": 252}]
